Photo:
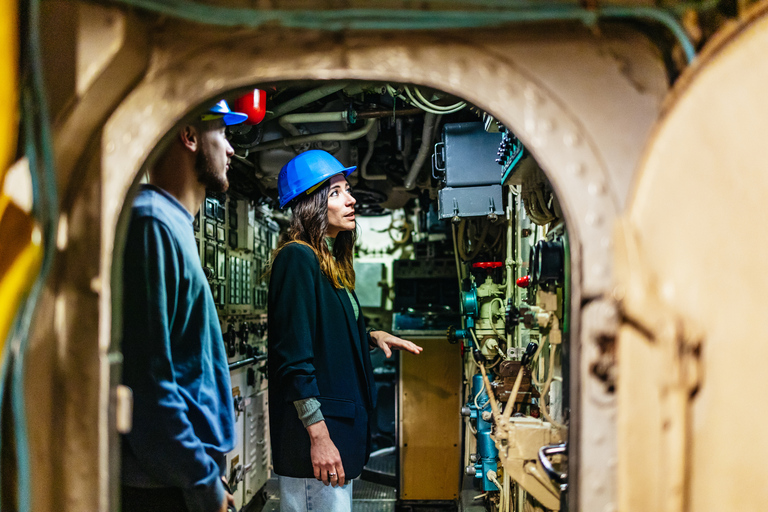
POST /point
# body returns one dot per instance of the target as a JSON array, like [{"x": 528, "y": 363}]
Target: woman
[{"x": 321, "y": 390}]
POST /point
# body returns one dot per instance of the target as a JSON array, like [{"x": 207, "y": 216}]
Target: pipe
[
  {"x": 430, "y": 120},
  {"x": 287, "y": 121},
  {"x": 389, "y": 113},
  {"x": 246, "y": 362},
  {"x": 371, "y": 137},
  {"x": 530, "y": 468},
  {"x": 510, "y": 260},
  {"x": 412, "y": 19},
  {"x": 300, "y": 100},
  {"x": 314, "y": 137}
]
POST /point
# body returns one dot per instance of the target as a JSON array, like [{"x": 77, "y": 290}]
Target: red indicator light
[
  {"x": 523, "y": 282},
  {"x": 254, "y": 104}
]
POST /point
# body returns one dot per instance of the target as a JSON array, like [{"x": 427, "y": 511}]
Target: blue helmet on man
[
  {"x": 306, "y": 172},
  {"x": 222, "y": 111}
]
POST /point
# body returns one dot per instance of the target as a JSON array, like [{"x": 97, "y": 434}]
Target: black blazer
[{"x": 316, "y": 349}]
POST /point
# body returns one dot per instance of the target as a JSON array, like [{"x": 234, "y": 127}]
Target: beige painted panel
[
  {"x": 430, "y": 424},
  {"x": 698, "y": 215},
  {"x": 639, "y": 423}
]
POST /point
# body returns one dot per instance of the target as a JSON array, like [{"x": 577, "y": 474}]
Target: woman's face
[{"x": 341, "y": 206}]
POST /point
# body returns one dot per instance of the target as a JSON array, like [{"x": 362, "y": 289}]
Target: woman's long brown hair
[{"x": 309, "y": 226}]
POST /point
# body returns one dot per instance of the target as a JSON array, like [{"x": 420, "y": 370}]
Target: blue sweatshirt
[{"x": 174, "y": 358}]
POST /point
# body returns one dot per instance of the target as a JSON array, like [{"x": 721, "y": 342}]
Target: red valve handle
[
  {"x": 523, "y": 282},
  {"x": 487, "y": 264}
]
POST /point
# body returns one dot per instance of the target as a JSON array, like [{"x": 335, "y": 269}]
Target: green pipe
[
  {"x": 404, "y": 19},
  {"x": 302, "y": 99}
]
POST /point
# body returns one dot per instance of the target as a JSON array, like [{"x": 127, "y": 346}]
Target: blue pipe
[{"x": 487, "y": 453}]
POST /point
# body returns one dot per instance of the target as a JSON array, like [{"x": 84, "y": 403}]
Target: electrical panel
[{"x": 235, "y": 240}]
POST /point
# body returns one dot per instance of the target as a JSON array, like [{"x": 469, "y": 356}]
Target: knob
[
  {"x": 473, "y": 458},
  {"x": 466, "y": 411},
  {"x": 530, "y": 350},
  {"x": 239, "y": 404},
  {"x": 450, "y": 333},
  {"x": 229, "y": 338},
  {"x": 471, "y": 471}
]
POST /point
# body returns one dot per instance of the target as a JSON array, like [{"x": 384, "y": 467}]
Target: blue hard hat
[
  {"x": 221, "y": 111},
  {"x": 305, "y": 171}
]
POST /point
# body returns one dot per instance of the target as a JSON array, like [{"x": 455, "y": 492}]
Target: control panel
[{"x": 235, "y": 241}]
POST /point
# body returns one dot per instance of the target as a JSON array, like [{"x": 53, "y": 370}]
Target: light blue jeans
[{"x": 311, "y": 495}]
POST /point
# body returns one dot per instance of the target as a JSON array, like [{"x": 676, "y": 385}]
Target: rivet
[
  {"x": 598, "y": 485},
  {"x": 126, "y": 137},
  {"x": 592, "y": 219},
  {"x": 610, "y": 507},
  {"x": 96, "y": 285},
  {"x": 605, "y": 242},
  {"x": 598, "y": 269},
  {"x": 575, "y": 168},
  {"x": 110, "y": 147},
  {"x": 571, "y": 139},
  {"x": 532, "y": 95},
  {"x": 546, "y": 125},
  {"x": 596, "y": 188}
]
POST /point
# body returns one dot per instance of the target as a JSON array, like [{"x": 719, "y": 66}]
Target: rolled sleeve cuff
[{"x": 309, "y": 411}]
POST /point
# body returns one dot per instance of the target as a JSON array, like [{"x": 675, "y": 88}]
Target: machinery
[{"x": 538, "y": 187}]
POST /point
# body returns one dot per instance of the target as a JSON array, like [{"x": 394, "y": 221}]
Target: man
[{"x": 174, "y": 356}]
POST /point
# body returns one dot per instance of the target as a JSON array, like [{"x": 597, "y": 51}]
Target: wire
[
  {"x": 543, "y": 406},
  {"x": 456, "y": 255},
  {"x": 534, "y": 361},
  {"x": 497, "y": 360},
  {"x": 38, "y": 148},
  {"x": 480, "y": 241},
  {"x": 474, "y": 338},
  {"x": 469, "y": 424},
  {"x": 492, "y": 477},
  {"x": 493, "y": 324},
  {"x": 476, "y": 397},
  {"x": 427, "y": 106},
  {"x": 448, "y": 109}
]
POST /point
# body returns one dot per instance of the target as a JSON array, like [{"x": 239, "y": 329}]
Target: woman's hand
[
  {"x": 326, "y": 460},
  {"x": 389, "y": 342}
]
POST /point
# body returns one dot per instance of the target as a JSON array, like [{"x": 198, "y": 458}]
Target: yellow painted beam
[
  {"x": 9, "y": 81},
  {"x": 20, "y": 241}
]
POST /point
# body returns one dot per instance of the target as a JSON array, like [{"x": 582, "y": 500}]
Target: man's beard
[{"x": 207, "y": 176}]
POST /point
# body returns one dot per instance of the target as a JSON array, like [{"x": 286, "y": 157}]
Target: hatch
[{"x": 690, "y": 270}]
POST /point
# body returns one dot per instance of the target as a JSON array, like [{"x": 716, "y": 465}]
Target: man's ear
[{"x": 190, "y": 138}]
